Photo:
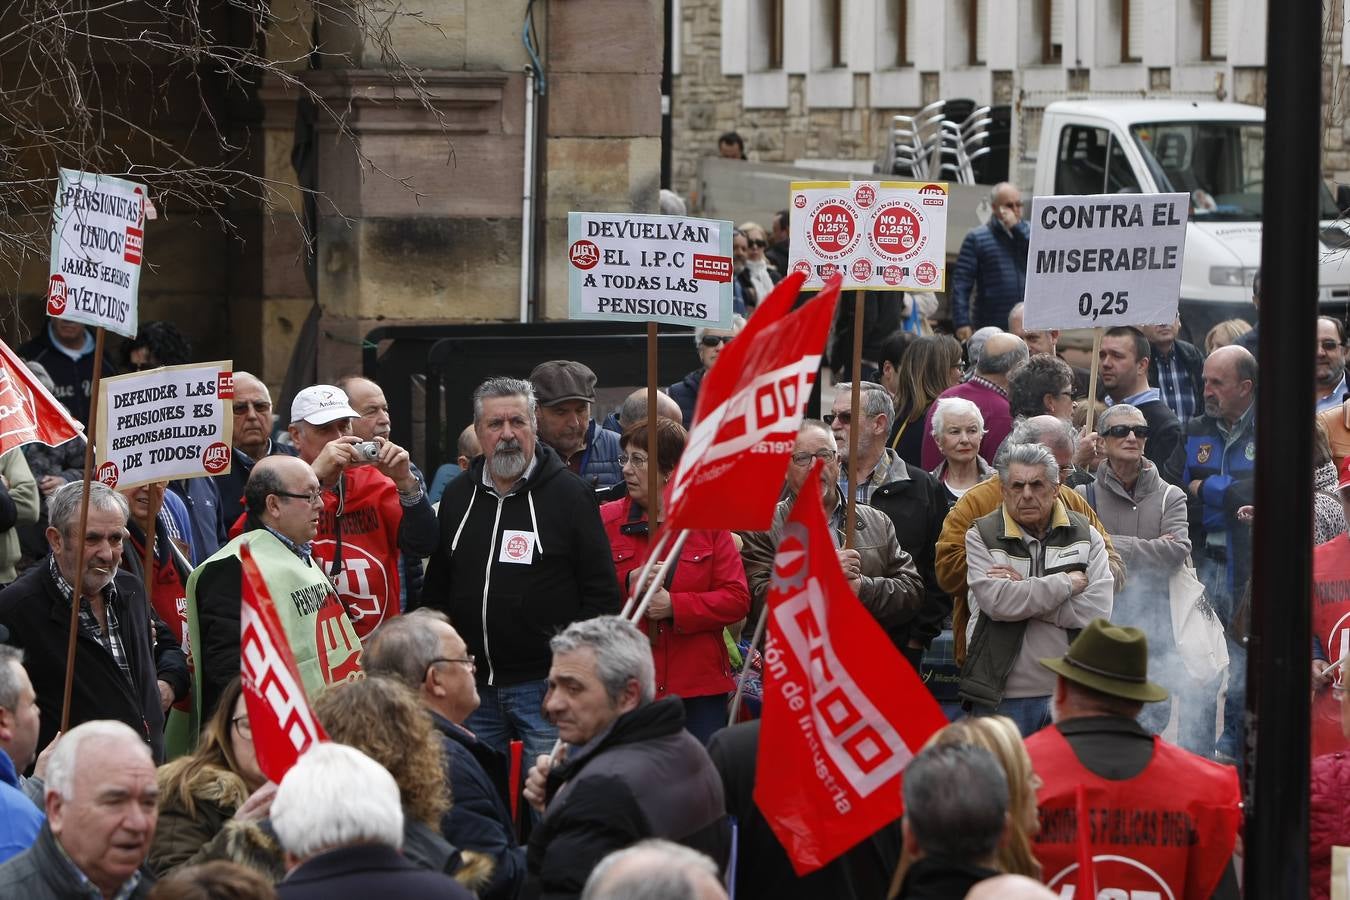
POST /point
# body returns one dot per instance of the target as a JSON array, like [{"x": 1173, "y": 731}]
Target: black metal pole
[
  {"x": 1280, "y": 649},
  {"x": 667, "y": 91}
]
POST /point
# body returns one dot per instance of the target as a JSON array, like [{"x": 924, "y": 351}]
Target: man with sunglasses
[
  {"x": 284, "y": 504},
  {"x": 709, "y": 342},
  {"x": 1124, "y": 373},
  {"x": 252, "y": 439}
]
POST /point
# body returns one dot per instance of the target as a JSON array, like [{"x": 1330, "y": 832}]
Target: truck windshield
[{"x": 1218, "y": 163}]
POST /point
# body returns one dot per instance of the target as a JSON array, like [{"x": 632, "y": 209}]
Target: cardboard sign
[
  {"x": 881, "y": 235},
  {"x": 634, "y": 268},
  {"x": 1105, "y": 260},
  {"x": 98, "y": 239},
  {"x": 175, "y": 422}
]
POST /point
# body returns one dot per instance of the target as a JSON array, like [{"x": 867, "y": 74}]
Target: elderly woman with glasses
[
  {"x": 709, "y": 342},
  {"x": 958, "y": 428},
  {"x": 1146, "y": 518},
  {"x": 757, "y": 276},
  {"x": 702, "y": 591}
]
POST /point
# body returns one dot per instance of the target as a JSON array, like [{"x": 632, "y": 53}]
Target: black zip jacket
[{"x": 507, "y": 611}]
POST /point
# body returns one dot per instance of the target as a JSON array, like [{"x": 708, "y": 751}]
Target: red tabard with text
[
  {"x": 843, "y": 712},
  {"x": 1167, "y": 833},
  {"x": 28, "y": 413},
  {"x": 168, "y": 595},
  {"x": 284, "y": 726},
  {"x": 1331, "y": 624},
  {"x": 749, "y": 408}
]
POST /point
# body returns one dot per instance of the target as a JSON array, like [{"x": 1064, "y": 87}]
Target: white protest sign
[
  {"x": 98, "y": 235},
  {"x": 635, "y": 268},
  {"x": 1105, "y": 260},
  {"x": 175, "y": 422},
  {"x": 882, "y": 235}
]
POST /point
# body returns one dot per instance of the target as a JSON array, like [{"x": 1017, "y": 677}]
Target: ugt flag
[
  {"x": 28, "y": 413},
  {"x": 284, "y": 725},
  {"x": 839, "y": 724},
  {"x": 749, "y": 409}
]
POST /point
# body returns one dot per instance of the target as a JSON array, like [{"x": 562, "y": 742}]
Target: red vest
[
  {"x": 1166, "y": 833},
  {"x": 168, "y": 595},
  {"x": 1331, "y": 624}
]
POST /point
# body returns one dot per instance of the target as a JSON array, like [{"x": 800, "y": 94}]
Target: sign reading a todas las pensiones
[
  {"x": 98, "y": 236},
  {"x": 174, "y": 422},
  {"x": 880, "y": 235},
  {"x": 625, "y": 267}
]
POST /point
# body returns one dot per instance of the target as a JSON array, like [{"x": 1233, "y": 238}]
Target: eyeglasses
[
  {"x": 759, "y": 243},
  {"x": 803, "y": 458},
  {"x": 315, "y": 496},
  {"x": 844, "y": 418},
  {"x": 242, "y": 726},
  {"x": 639, "y": 462},
  {"x": 1119, "y": 431},
  {"x": 466, "y": 661},
  {"x": 241, "y": 407},
  {"x": 1329, "y": 346},
  {"x": 714, "y": 340}
]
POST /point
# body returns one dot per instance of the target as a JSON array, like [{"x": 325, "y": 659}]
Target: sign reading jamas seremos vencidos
[{"x": 639, "y": 268}]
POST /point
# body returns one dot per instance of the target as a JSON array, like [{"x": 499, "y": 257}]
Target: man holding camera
[{"x": 374, "y": 505}]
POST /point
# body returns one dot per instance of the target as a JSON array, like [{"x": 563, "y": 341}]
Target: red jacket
[
  {"x": 707, "y": 594},
  {"x": 1328, "y": 825}
]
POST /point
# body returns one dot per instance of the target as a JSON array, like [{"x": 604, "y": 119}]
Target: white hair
[
  {"x": 335, "y": 796},
  {"x": 954, "y": 406},
  {"x": 1115, "y": 411},
  {"x": 65, "y": 759},
  {"x": 737, "y": 323},
  {"x": 621, "y": 653},
  {"x": 656, "y": 870}
]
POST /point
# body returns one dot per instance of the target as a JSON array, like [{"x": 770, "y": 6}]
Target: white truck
[{"x": 1210, "y": 150}]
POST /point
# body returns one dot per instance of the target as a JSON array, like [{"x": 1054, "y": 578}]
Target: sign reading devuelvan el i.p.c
[
  {"x": 98, "y": 238},
  {"x": 1104, "y": 260},
  {"x": 624, "y": 267}
]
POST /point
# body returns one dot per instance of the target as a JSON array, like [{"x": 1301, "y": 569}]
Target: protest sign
[
  {"x": 635, "y": 268},
  {"x": 98, "y": 236},
  {"x": 175, "y": 422},
  {"x": 880, "y": 235},
  {"x": 1105, "y": 260}
]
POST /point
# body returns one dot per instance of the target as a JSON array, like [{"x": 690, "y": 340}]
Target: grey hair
[
  {"x": 63, "y": 507},
  {"x": 875, "y": 399},
  {"x": 1045, "y": 430},
  {"x": 956, "y": 801},
  {"x": 820, "y": 425},
  {"x": 621, "y": 653},
  {"x": 501, "y": 386},
  {"x": 660, "y": 870},
  {"x": 993, "y": 191},
  {"x": 9, "y": 682},
  {"x": 1017, "y": 310},
  {"x": 403, "y": 647},
  {"x": 310, "y": 817},
  {"x": 954, "y": 406},
  {"x": 65, "y": 759},
  {"x": 1027, "y": 455},
  {"x": 1115, "y": 411},
  {"x": 737, "y": 323},
  {"x": 975, "y": 345},
  {"x": 1003, "y": 363}
]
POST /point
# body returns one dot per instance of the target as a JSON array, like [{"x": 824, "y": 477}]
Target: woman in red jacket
[{"x": 702, "y": 592}]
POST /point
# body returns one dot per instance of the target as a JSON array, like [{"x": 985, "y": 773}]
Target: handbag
[{"x": 1195, "y": 626}]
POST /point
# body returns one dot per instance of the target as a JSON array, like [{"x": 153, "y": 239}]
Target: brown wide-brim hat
[{"x": 1109, "y": 658}]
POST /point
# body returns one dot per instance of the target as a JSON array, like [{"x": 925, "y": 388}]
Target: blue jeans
[
  {"x": 703, "y": 716},
  {"x": 1029, "y": 714},
  {"x": 514, "y": 712}
]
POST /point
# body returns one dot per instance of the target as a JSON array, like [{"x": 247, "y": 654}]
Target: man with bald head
[
  {"x": 252, "y": 439},
  {"x": 634, "y": 409},
  {"x": 992, "y": 265},
  {"x": 988, "y": 389},
  {"x": 284, "y": 504}
]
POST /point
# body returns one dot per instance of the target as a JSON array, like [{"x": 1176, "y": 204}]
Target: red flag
[
  {"x": 839, "y": 723},
  {"x": 749, "y": 408},
  {"x": 284, "y": 726},
  {"x": 1087, "y": 877},
  {"x": 28, "y": 413}
]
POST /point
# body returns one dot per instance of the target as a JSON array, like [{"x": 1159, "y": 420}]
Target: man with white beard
[{"x": 521, "y": 555}]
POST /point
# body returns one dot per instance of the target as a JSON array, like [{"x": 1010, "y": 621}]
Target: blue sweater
[
  {"x": 20, "y": 820},
  {"x": 994, "y": 264}
]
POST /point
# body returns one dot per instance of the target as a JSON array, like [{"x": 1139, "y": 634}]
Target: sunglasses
[
  {"x": 714, "y": 340},
  {"x": 844, "y": 418},
  {"x": 1119, "y": 431},
  {"x": 241, "y": 407},
  {"x": 759, "y": 243}
]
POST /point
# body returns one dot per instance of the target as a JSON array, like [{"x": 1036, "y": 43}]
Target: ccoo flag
[
  {"x": 839, "y": 726},
  {"x": 28, "y": 413},
  {"x": 284, "y": 726},
  {"x": 749, "y": 408}
]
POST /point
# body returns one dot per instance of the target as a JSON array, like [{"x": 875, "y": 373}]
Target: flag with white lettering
[
  {"x": 749, "y": 408},
  {"x": 28, "y": 413},
  {"x": 284, "y": 726},
  {"x": 840, "y": 723}
]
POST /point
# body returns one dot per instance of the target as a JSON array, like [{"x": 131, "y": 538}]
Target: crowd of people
[{"x": 1048, "y": 579}]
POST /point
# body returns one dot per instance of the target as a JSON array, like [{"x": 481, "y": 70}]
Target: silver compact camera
[{"x": 367, "y": 450}]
